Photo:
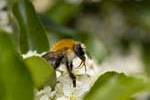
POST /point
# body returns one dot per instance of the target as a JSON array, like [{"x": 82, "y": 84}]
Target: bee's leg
[
  {"x": 71, "y": 66},
  {"x": 56, "y": 61},
  {"x": 56, "y": 65},
  {"x": 72, "y": 76}
]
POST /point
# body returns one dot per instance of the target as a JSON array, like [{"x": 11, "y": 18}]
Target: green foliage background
[{"x": 37, "y": 31}]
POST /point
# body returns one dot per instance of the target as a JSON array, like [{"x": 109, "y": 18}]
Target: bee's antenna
[{"x": 80, "y": 65}]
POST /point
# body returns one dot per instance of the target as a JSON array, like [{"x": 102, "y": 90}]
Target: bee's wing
[
  {"x": 54, "y": 58},
  {"x": 49, "y": 55}
]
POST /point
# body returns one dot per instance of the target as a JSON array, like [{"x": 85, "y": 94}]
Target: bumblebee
[{"x": 63, "y": 52}]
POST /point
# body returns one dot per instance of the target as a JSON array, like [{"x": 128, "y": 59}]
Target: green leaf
[
  {"x": 15, "y": 79},
  {"x": 41, "y": 71},
  {"x": 115, "y": 86},
  {"x": 56, "y": 29},
  {"x": 2, "y": 91},
  {"x": 32, "y": 33}
]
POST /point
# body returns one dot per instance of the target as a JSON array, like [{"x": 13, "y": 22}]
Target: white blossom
[
  {"x": 64, "y": 89},
  {"x": 31, "y": 53}
]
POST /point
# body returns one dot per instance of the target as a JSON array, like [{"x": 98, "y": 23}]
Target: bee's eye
[{"x": 79, "y": 51}]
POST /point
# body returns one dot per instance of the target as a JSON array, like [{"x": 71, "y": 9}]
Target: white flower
[
  {"x": 45, "y": 94},
  {"x": 44, "y": 97},
  {"x": 62, "y": 98},
  {"x": 64, "y": 89},
  {"x": 31, "y": 53}
]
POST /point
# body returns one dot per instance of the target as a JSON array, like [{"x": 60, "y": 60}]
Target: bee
[{"x": 63, "y": 52}]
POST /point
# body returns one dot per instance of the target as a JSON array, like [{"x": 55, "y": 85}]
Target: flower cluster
[{"x": 64, "y": 89}]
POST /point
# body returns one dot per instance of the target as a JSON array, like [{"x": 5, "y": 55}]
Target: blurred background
[{"x": 115, "y": 32}]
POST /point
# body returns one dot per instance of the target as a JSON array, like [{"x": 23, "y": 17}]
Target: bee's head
[{"x": 79, "y": 51}]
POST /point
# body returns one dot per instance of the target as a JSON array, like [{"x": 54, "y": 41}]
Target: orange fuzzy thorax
[{"x": 62, "y": 44}]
